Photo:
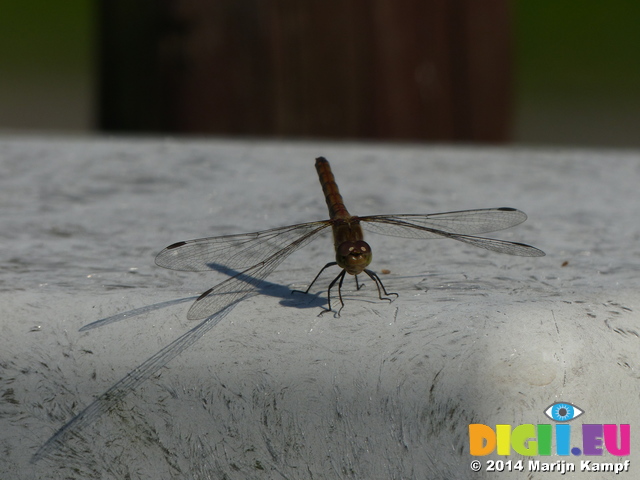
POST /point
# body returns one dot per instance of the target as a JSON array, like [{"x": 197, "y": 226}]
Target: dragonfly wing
[
  {"x": 500, "y": 246},
  {"x": 463, "y": 222},
  {"x": 232, "y": 251},
  {"x": 457, "y": 226}
]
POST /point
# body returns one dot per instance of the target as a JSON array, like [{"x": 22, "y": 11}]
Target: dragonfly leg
[
  {"x": 340, "y": 292},
  {"x": 330, "y": 264},
  {"x": 358, "y": 284},
  {"x": 341, "y": 278},
  {"x": 374, "y": 276}
]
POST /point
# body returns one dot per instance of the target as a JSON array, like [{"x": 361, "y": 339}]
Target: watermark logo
[
  {"x": 563, "y": 439},
  {"x": 532, "y": 440}
]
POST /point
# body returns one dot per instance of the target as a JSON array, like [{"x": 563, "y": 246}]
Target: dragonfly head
[{"x": 354, "y": 257}]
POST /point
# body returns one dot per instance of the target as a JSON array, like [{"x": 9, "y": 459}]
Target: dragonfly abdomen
[{"x": 330, "y": 189}]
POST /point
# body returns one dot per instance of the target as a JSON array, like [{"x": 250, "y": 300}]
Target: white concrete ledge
[{"x": 387, "y": 390}]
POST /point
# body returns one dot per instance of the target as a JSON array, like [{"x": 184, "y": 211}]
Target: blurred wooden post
[{"x": 436, "y": 70}]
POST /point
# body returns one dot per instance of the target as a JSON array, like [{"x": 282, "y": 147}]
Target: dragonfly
[{"x": 256, "y": 255}]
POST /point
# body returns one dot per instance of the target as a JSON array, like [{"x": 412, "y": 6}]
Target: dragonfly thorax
[{"x": 354, "y": 257}]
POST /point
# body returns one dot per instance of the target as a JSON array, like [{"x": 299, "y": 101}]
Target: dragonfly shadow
[
  {"x": 288, "y": 299},
  {"x": 134, "y": 313},
  {"x": 276, "y": 290},
  {"x": 118, "y": 391}
]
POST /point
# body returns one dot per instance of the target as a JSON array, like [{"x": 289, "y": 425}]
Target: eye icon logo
[{"x": 563, "y": 412}]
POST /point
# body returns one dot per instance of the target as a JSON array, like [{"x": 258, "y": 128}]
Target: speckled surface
[{"x": 387, "y": 390}]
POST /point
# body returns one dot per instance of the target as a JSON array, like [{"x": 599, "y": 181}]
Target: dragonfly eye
[
  {"x": 354, "y": 257},
  {"x": 353, "y": 249},
  {"x": 361, "y": 248}
]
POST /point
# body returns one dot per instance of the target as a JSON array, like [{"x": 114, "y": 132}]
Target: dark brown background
[{"x": 436, "y": 70}]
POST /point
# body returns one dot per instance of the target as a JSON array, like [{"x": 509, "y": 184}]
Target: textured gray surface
[{"x": 274, "y": 391}]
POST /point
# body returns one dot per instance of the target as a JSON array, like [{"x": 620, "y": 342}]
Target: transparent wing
[
  {"x": 464, "y": 222},
  {"x": 457, "y": 225},
  {"x": 232, "y": 251},
  {"x": 500, "y": 246},
  {"x": 213, "y": 305}
]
